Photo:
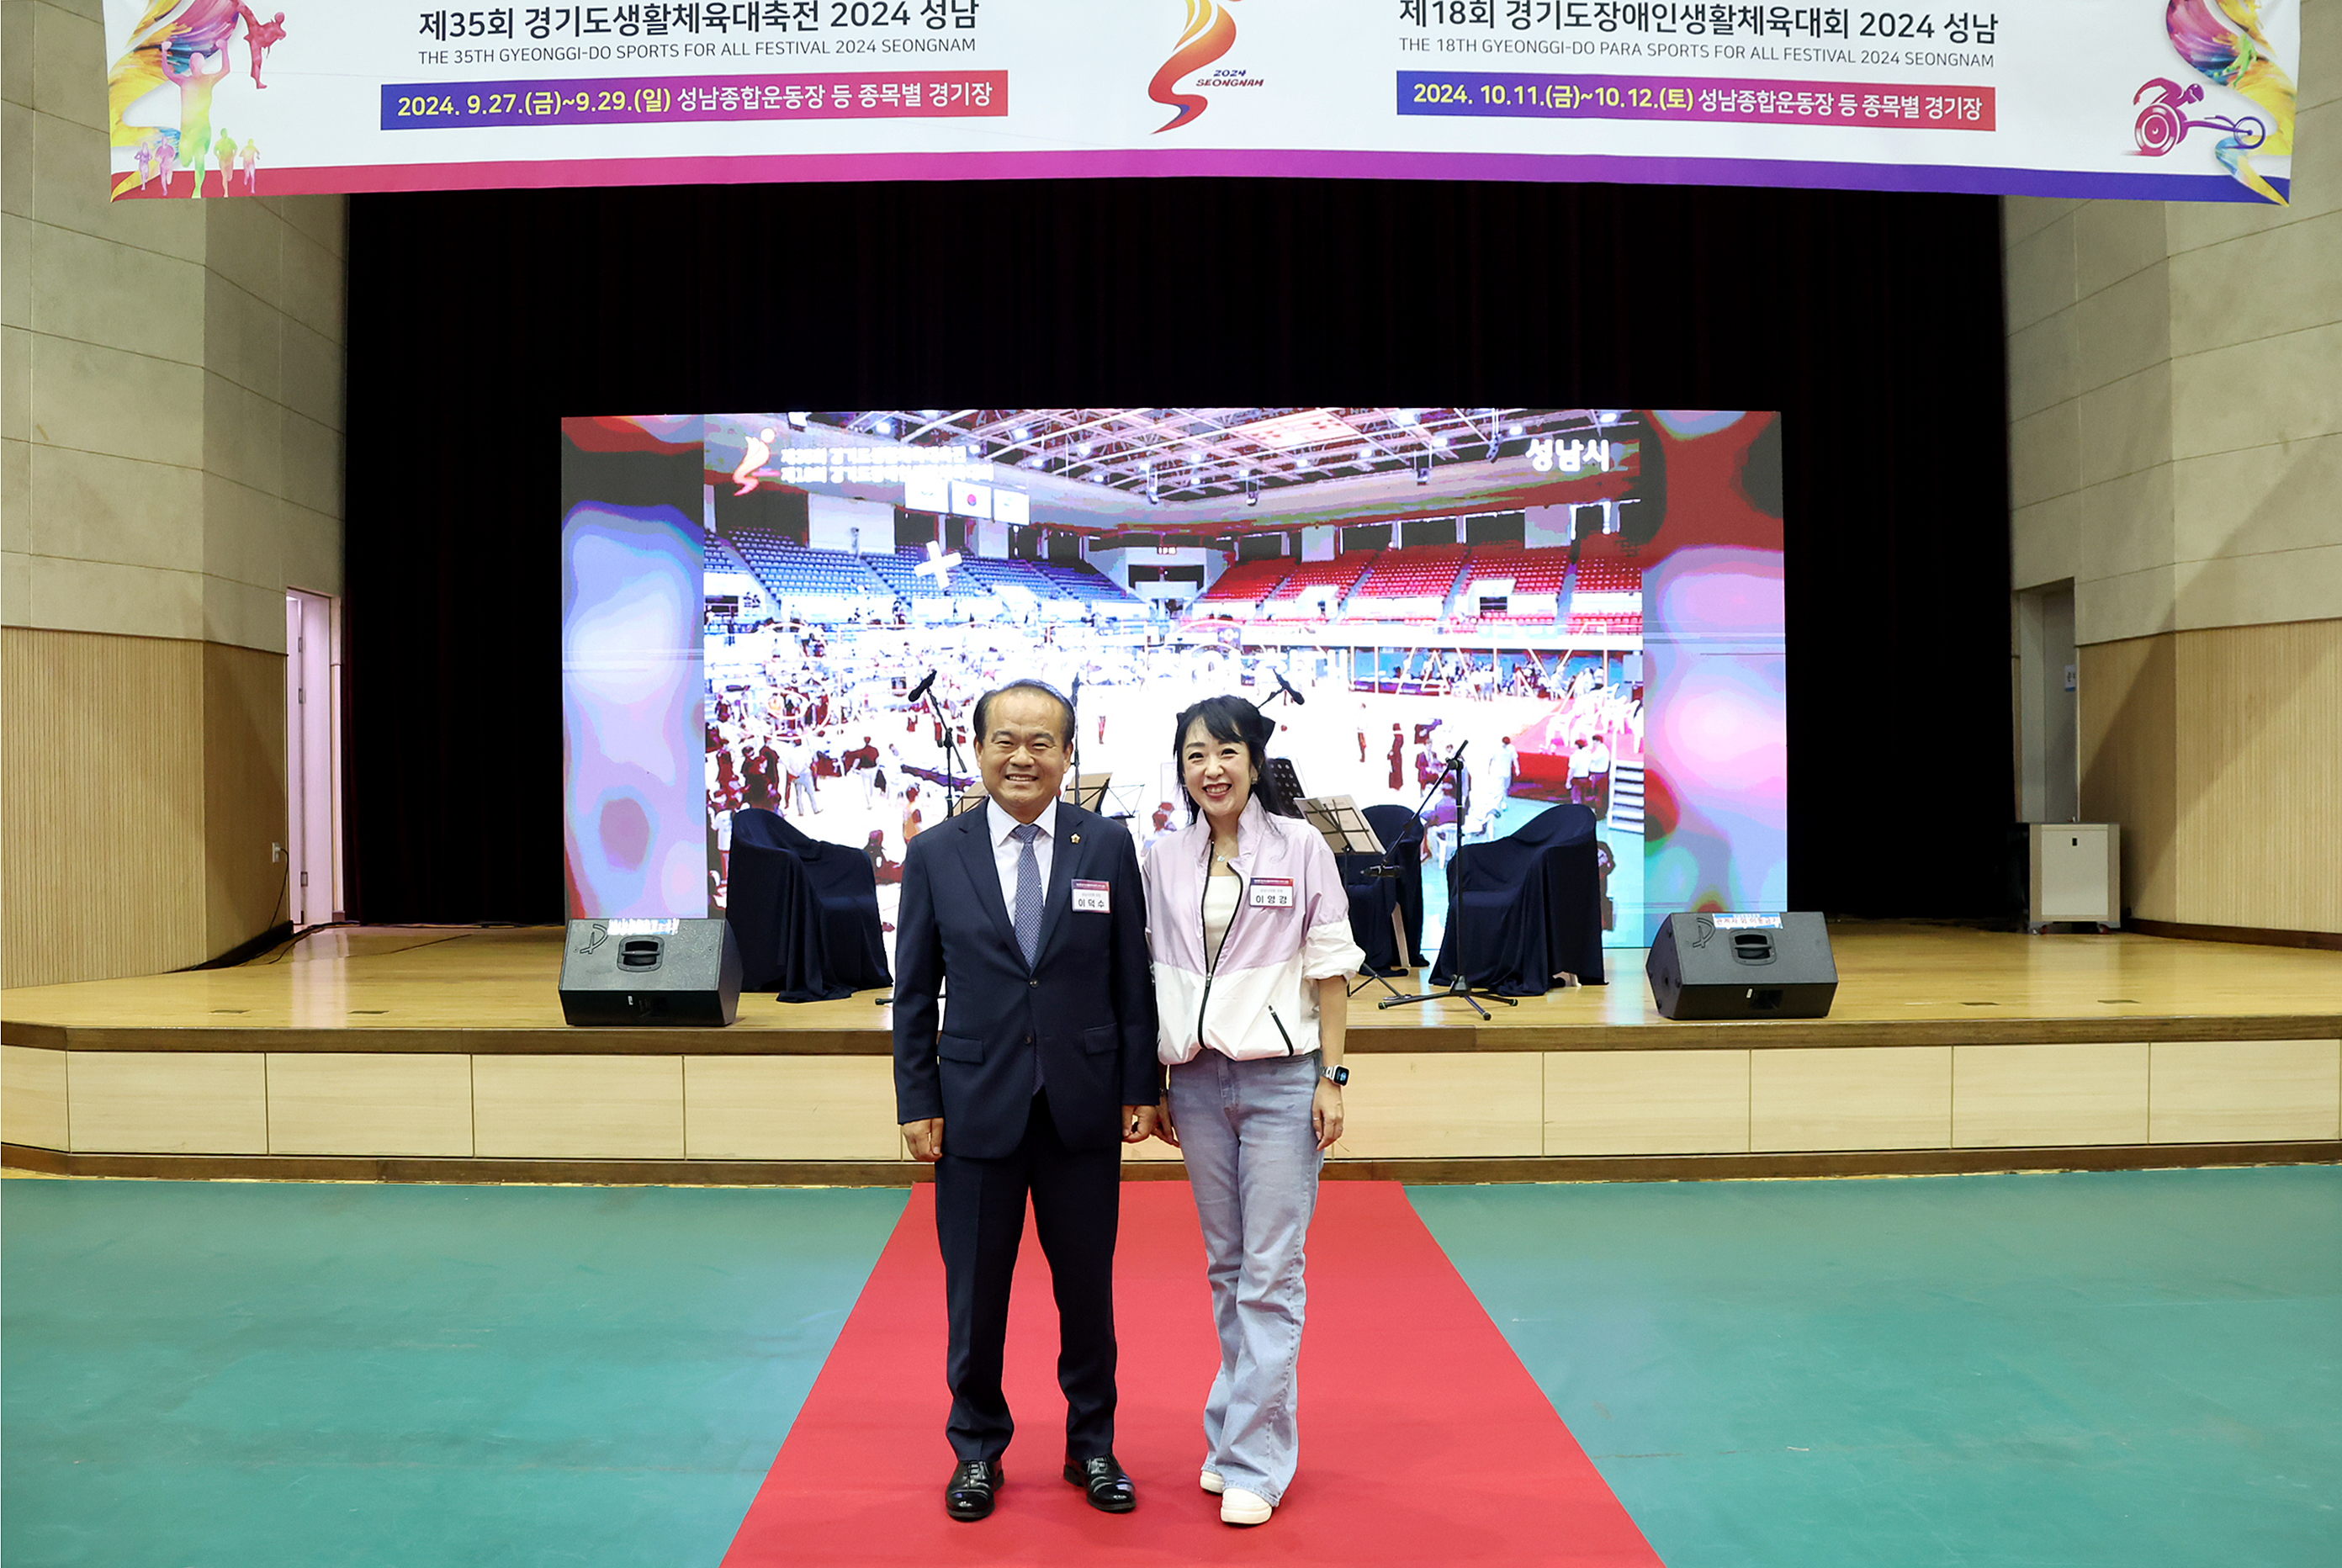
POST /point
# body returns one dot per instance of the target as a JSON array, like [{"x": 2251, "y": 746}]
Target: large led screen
[{"x": 1588, "y": 602}]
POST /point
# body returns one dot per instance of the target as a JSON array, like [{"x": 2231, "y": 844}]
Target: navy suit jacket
[{"x": 1087, "y": 1007}]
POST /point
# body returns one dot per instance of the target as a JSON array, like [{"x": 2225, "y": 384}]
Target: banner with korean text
[{"x": 2149, "y": 99}]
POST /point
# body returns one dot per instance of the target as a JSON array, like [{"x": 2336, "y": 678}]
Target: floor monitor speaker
[
  {"x": 1742, "y": 966},
  {"x": 653, "y": 971}
]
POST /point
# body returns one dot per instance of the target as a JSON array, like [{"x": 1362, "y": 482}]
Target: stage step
[{"x": 1627, "y": 797}]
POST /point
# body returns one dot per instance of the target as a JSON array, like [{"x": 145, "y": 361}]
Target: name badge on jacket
[
  {"x": 1093, "y": 897},
  {"x": 1272, "y": 893}
]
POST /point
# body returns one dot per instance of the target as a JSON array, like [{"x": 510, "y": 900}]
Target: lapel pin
[{"x": 1078, "y": 838}]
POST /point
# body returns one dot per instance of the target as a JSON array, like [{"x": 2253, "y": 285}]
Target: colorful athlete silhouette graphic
[
  {"x": 2223, "y": 40},
  {"x": 759, "y": 452},
  {"x": 259, "y": 36},
  {"x": 195, "y": 82},
  {"x": 181, "y": 45},
  {"x": 225, "y": 151},
  {"x": 1211, "y": 33}
]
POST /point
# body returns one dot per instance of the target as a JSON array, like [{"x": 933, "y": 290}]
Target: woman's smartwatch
[{"x": 1337, "y": 1076}]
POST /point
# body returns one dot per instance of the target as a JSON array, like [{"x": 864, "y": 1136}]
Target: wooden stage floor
[
  {"x": 491, "y": 991},
  {"x": 437, "y": 1054}
]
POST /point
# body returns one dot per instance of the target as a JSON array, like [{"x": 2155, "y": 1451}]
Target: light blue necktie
[{"x": 1027, "y": 912}]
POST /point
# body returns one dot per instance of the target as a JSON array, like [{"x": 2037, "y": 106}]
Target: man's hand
[
  {"x": 926, "y": 1139},
  {"x": 1137, "y": 1123}
]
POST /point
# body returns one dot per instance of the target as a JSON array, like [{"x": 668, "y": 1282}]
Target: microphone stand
[
  {"x": 1458, "y": 986},
  {"x": 952, "y": 763}
]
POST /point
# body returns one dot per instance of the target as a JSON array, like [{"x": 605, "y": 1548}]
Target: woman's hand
[
  {"x": 1163, "y": 1127},
  {"x": 1326, "y": 1113}
]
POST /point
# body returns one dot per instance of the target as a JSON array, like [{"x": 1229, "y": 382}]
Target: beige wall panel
[
  {"x": 169, "y": 1102},
  {"x": 2127, "y": 531},
  {"x": 2020, "y": 1097},
  {"x": 2260, "y": 501},
  {"x": 577, "y": 1107},
  {"x": 790, "y": 1108},
  {"x": 2044, "y": 454},
  {"x": 100, "y": 507},
  {"x": 2114, "y": 240},
  {"x": 367, "y": 1103},
  {"x": 244, "y": 791},
  {"x": 1645, "y": 1102},
  {"x": 2127, "y": 743},
  {"x": 1430, "y": 1106},
  {"x": 101, "y": 805},
  {"x": 2043, "y": 363},
  {"x": 68, "y": 594},
  {"x": 2266, "y": 588},
  {"x": 2223, "y": 1090},
  {"x": 2250, "y": 394},
  {"x": 1871, "y": 1097},
  {"x": 2258, "y": 834},
  {"x": 2038, "y": 268},
  {"x": 33, "y": 1097}
]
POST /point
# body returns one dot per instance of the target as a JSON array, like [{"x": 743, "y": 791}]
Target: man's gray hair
[{"x": 984, "y": 705}]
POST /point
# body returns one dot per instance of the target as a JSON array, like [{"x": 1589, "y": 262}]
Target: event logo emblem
[
  {"x": 2221, "y": 39},
  {"x": 1211, "y": 33}
]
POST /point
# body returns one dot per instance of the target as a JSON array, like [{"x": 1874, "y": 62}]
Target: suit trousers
[{"x": 1076, "y": 1197}]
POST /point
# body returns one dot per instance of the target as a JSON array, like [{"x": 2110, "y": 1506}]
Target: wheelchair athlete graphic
[{"x": 2163, "y": 124}]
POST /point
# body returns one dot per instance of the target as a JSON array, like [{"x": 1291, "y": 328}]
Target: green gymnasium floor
[{"x": 2138, "y": 1368}]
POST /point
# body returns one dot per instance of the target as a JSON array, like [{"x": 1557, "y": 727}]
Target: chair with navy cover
[
  {"x": 1527, "y": 907},
  {"x": 806, "y": 912},
  {"x": 1395, "y": 825}
]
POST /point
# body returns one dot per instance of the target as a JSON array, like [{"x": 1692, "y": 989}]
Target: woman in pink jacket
[{"x": 1250, "y": 934}]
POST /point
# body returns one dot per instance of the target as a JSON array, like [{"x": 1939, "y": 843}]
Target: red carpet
[{"x": 1423, "y": 1439}]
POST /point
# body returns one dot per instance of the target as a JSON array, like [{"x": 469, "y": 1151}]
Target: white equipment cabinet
[{"x": 2077, "y": 875}]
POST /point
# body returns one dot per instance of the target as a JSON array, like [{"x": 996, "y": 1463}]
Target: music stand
[
  {"x": 1088, "y": 790},
  {"x": 1347, "y": 830},
  {"x": 1337, "y": 818},
  {"x": 969, "y": 800},
  {"x": 1282, "y": 772}
]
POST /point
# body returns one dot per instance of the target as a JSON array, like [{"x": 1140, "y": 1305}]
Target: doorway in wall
[
  {"x": 2048, "y": 704},
  {"x": 313, "y": 753}
]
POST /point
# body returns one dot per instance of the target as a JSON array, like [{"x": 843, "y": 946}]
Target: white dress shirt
[{"x": 1006, "y": 850}]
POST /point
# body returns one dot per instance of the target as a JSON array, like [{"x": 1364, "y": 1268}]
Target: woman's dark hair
[{"x": 1232, "y": 719}]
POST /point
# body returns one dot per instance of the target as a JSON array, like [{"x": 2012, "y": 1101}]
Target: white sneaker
[
  {"x": 1210, "y": 1480},
  {"x": 1238, "y": 1506}
]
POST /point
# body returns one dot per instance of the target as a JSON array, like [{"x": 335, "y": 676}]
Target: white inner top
[{"x": 1221, "y": 892}]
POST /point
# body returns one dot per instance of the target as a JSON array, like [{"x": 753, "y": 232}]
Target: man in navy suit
[{"x": 1042, "y": 1066}]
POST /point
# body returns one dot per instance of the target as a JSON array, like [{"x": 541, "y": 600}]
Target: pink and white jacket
[{"x": 1291, "y": 929}]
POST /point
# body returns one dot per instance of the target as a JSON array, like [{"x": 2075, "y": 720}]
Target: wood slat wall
[
  {"x": 2126, "y": 727},
  {"x": 2220, "y": 754},
  {"x": 102, "y": 850},
  {"x": 244, "y": 793},
  {"x": 2259, "y": 776},
  {"x": 144, "y": 783}
]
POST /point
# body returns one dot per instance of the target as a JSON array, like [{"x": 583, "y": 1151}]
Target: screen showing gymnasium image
[{"x": 1589, "y": 600}]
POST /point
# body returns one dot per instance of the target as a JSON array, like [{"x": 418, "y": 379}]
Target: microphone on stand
[
  {"x": 922, "y": 688},
  {"x": 1287, "y": 687}
]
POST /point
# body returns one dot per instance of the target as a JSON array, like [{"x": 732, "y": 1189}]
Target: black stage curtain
[{"x": 476, "y": 320}]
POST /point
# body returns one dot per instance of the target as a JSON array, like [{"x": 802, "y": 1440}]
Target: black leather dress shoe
[
  {"x": 1110, "y": 1490},
  {"x": 969, "y": 1496}
]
